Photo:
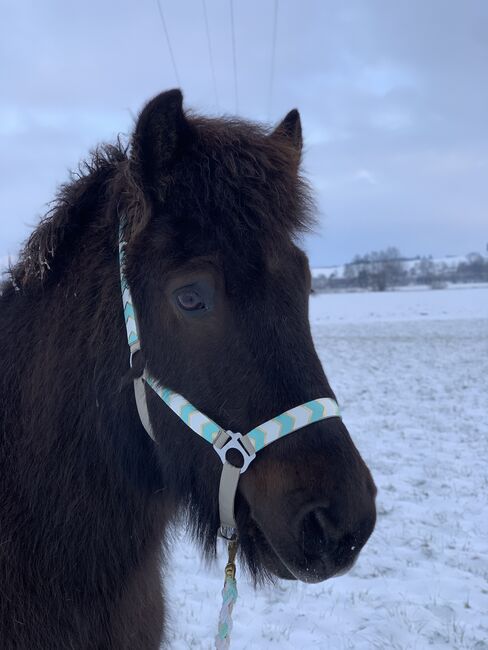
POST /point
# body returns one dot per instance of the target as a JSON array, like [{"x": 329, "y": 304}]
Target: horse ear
[
  {"x": 291, "y": 129},
  {"x": 159, "y": 132}
]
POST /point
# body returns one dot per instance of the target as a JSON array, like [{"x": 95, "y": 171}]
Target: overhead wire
[
  {"x": 236, "y": 93},
  {"x": 234, "y": 53},
  {"x": 210, "y": 56},
  {"x": 273, "y": 57},
  {"x": 169, "y": 43}
]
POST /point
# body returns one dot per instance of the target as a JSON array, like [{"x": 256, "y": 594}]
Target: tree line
[{"x": 384, "y": 269}]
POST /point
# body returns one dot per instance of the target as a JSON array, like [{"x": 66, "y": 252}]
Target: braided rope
[
  {"x": 229, "y": 595},
  {"x": 229, "y": 598}
]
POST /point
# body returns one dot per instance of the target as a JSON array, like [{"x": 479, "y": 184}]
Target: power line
[
  {"x": 210, "y": 53},
  {"x": 234, "y": 54},
  {"x": 169, "y": 44},
  {"x": 273, "y": 56}
]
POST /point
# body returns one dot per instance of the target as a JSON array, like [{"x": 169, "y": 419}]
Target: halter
[{"x": 222, "y": 441}]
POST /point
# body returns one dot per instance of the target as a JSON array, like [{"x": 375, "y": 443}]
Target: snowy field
[{"x": 410, "y": 370}]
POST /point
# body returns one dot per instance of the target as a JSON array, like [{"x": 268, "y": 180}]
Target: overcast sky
[{"x": 393, "y": 97}]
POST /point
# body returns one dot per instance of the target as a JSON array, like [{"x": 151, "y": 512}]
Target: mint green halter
[{"x": 248, "y": 445}]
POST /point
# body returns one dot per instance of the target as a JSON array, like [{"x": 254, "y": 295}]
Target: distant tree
[
  {"x": 320, "y": 283},
  {"x": 426, "y": 270},
  {"x": 376, "y": 270},
  {"x": 363, "y": 279},
  {"x": 475, "y": 269},
  {"x": 475, "y": 259},
  {"x": 386, "y": 268},
  {"x": 351, "y": 274}
]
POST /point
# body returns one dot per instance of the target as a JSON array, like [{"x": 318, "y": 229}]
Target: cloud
[{"x": 365, "y": 175}]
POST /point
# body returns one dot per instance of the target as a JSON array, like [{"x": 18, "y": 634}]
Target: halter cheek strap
[{"x": 222, "y": 441}]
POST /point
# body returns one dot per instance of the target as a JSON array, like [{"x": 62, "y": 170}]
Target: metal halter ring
[{"x": 235, "y": 441}]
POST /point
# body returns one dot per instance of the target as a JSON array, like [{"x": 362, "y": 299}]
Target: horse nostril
[
  {"x": 321, "y": 535},
  {"x": 317, "y": 533}
]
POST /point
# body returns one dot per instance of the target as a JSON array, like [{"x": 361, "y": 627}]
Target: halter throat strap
[{"x": 223, "y": 441}]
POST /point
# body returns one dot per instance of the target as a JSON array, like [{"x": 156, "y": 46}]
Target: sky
[{"x": 393, "y": 98}]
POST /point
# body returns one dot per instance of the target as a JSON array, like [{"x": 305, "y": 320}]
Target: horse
[{"x": 213, "y": 211}]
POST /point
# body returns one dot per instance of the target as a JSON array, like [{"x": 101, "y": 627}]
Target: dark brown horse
[{"x": 85, "y": 495}]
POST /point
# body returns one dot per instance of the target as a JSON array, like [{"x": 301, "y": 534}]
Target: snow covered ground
[
  {"x": 458, "y": 302},
  {"x": 410, "y": 370}
]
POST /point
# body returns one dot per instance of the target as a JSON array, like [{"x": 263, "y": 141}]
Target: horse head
[{"x": 213, "y": 209}]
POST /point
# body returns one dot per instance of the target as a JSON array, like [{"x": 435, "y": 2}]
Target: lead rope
[{"x": 229, "y": 598}]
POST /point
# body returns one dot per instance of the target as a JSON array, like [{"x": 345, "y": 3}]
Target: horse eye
[{"x": 190, "y": 300}]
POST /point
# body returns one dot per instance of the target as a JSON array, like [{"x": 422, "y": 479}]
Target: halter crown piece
[{"x": 221, "y": 440}]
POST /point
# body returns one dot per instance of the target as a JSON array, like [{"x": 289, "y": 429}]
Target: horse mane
[{"x": 68, "y": 213}]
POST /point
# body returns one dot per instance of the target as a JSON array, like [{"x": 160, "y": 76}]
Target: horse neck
[{"x": 78, "y": 457}]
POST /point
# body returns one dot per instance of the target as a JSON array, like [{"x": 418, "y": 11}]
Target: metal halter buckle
[
  {"x": 229, "y": 440},
  {"x": 228, "y": 533}
]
